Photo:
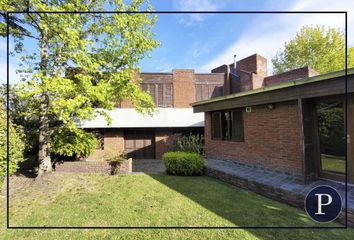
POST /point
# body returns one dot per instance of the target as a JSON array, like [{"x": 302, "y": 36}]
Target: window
[
  {"x": 237, "y": 126},
  {"x": 216, "y": 125},
  {"x": 161, "y": 93},
  {"x": 227, "y": 125}
]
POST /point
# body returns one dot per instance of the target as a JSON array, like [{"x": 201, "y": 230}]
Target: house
[
  {"x": 147, "y": 137},
  {"x": 293, "y": 122}
]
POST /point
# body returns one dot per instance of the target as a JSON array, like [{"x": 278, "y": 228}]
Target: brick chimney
[
  {"x": 227, "y": 80},
  {"x": 251, "y": 71}
]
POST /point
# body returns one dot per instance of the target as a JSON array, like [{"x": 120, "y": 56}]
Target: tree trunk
[{"x": 45, "y": 163}]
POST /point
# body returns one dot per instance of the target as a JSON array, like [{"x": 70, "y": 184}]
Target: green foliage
[
  {"x": 82, "y": 62},
  {"x": 331, "y": 130},
  {"x": 183, "y": 163},
  {"x": 190, "y": 143},
  {"x": 16, "y": 144},
  {"x": 318, "y": 47},
  {"x": 74, "y": 142},
  {"x": 115, "y": 159}
]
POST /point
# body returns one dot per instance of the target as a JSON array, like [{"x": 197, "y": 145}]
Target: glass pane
[
  {"x": 216, "y": 125},
  {"x": 332, "y": 135},
  {"x": 226, "y": 125}
]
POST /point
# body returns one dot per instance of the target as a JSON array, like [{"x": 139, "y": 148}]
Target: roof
[
  {"x": 287, "y": 91},
  {"x": 164, "y": 117}
]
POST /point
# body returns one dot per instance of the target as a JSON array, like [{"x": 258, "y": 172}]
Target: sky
[{"x": 206, "y": 41}]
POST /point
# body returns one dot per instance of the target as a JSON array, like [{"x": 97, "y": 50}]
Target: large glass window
[{"x": 332, "y": 135}]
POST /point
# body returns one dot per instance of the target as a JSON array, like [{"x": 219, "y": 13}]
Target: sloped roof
[{"x": 164, "y": 117}]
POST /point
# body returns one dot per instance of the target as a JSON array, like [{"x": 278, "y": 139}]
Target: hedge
[{"x": 183, "y": 163}]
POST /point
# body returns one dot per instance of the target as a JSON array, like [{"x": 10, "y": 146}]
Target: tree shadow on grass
[{"x": 244, "y": 208}]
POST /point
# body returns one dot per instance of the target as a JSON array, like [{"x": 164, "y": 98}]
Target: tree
[
  {"x": 16, "y": 144},
  {"x": 318, "y": 47},
  {"x": 84, "y": 61}
]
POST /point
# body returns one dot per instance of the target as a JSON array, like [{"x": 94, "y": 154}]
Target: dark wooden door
[{"x": 140, "y": 144}]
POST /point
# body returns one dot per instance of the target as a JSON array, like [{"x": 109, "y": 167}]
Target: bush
[
  {"x": 115, "y": 159},
  {"x": 16, "y": 145},
  {"x": 72, "y": 142},
  {"x": 183, "y": 163},
  {"x": 191, "y": 143}
]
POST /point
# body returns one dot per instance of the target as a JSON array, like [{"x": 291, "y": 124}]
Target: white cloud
[
  {"x": 196, "y": 5},
  {"x": 269, "y": 32},
  {"x": 163, "y": 68}
]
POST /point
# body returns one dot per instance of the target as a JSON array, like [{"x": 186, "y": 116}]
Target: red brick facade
[
  {"x": 292, "y": 75},
  {"x": 183, "y": 88},
  {"x": 113, "y": 143},
  {"x": 272, "y": 139}
]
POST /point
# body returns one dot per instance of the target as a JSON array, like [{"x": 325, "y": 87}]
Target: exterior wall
[
  {"x": 183, "y": 88},
  {"x": 162, "y": 138},
  {"x": 209, "y": 85},
  {"x": 113, "y": 143},
  {"x": 292, "y": 75},
  {"x": 226, "y": 70},
  {"x": 271, "y": 139},
  {"x": 251, "y": 70}
]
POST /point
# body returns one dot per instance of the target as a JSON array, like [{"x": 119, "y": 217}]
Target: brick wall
[
  {"x": 183, "y": 88},
  {"x": 292, "y": 75},
  {"x": 102, "y": 167},
  {"x": 251, "y": 71},
  {"x": 113, "y": 143},
  {"x": 271, "y": 139},
  {"x": 162, "y": 138},
  {"x": 209, "y": 85},
  {"x": 226, "y": 70}
]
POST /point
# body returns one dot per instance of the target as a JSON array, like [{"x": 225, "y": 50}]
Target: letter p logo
[
  {"x": 323, "y": 204},
  {"x": 320, "y": 203}
]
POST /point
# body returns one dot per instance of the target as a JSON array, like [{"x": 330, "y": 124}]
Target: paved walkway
[{"x": 275, "y": 180}]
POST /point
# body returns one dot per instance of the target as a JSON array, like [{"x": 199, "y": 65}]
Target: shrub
[
  {"x": 115, "y": 159},
  {"x": 72, "y": 142},
  {"x": 16, "y": 145},
  {"x": 183, "y": 163},
  {"x": 191, "y": 143}
]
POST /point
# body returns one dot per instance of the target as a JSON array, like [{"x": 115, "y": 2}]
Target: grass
[
  {"x": 150, "y": 200},
  {"x": 333, "y": 163}
]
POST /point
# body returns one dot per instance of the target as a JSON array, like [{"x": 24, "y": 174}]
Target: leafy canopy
[
  {"x": 318, "y": 47},
  {"x": 83, "y": 63}
]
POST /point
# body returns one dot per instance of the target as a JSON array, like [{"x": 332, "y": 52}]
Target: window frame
[
  {"x": 227, "y": 124},
  {"x": 212, "y": 126}
]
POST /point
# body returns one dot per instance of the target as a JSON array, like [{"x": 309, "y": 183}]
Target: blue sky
[{"x": 205, "y": 41}]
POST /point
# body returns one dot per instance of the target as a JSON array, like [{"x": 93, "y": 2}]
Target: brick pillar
[
  {"x": 252, "y": 70},
  {"x": 183, "y": 88},
  {"x": 227, "y": 84}
]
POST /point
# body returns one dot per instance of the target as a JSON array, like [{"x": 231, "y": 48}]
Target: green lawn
[
  {"x": 150, "y": 200},
  {"x": 333, "y": 163}
]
